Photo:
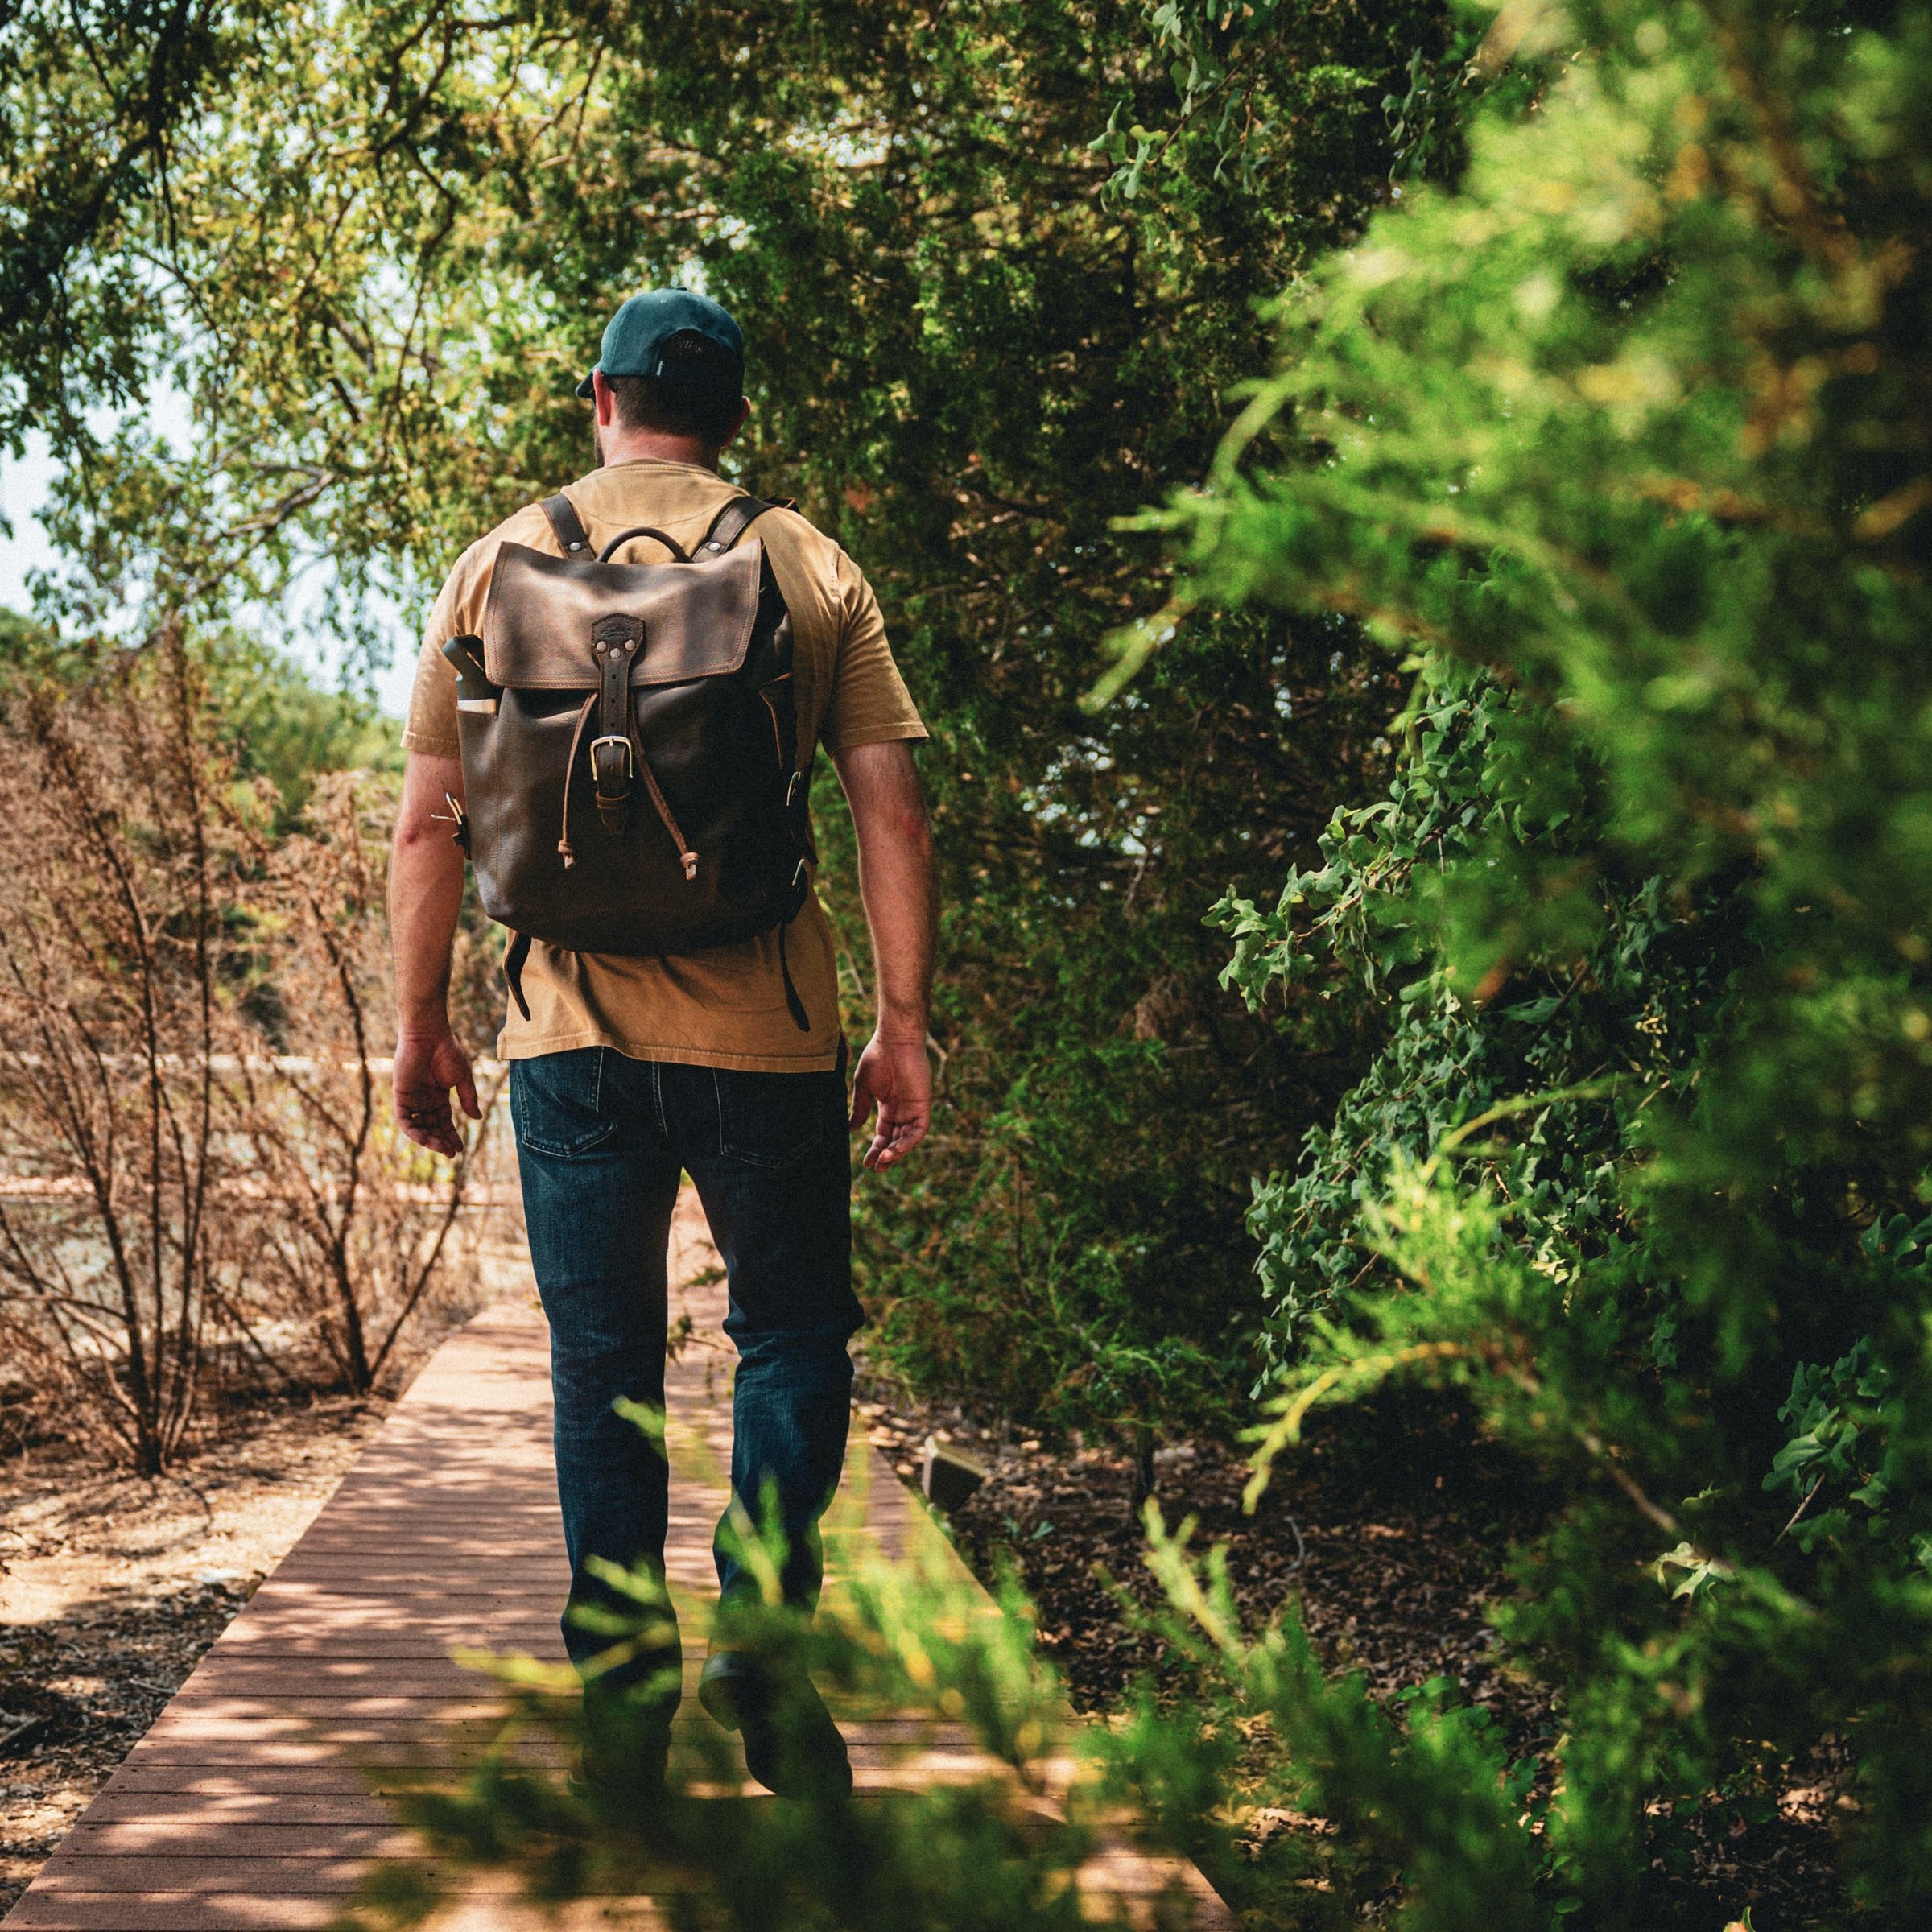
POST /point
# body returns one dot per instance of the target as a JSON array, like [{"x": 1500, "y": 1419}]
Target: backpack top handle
[
  {"x": 727, "y": 526},
  {"x": 643, "y": 529},
  {"x": 571, "y": 534}
]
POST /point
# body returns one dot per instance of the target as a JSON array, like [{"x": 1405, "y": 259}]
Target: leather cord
[
  {"x": 687, "y": 858},
  {"x": 570, "y": 771}
]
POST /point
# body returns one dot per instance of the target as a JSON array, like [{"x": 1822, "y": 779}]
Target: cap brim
[{"x": 587, "y": 388}]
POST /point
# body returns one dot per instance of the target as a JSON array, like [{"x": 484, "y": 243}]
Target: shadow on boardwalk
[{"x": 257, "y": 1798}]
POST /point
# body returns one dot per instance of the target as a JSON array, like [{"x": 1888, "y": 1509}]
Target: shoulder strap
[
  {"x": 727, "y": 526},
  {"x": 733, "y": 521},
  {"x": 513, "y": 958},
  {"x": 565, "y": 521}
]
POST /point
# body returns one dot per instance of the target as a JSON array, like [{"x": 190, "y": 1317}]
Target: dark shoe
[
  {"x": 791, "y": 1745},
  {"x": 626, "y": 1744}
]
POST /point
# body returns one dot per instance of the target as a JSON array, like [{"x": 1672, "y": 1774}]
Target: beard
[{"x": 596, "y": 440}]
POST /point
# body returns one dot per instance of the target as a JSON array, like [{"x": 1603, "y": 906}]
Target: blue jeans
[{"x": 602, "y": 1140}]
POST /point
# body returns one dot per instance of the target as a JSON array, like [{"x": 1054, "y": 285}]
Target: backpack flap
[{"x": 539, "y": 626}]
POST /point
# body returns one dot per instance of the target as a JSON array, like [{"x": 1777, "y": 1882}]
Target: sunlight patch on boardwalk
[{"x": 257, "y": 1799}]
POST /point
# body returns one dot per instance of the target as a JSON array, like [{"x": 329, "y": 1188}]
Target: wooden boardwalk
[{"x": 256, "y": 1799}]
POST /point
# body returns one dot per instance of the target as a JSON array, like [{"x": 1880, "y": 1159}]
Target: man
[{"x": 627, "y": 1071}]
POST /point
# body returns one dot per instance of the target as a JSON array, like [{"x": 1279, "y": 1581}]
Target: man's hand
[
  {"x": 428, "y": 1067},
  {"x": 896, "y": 1077}
]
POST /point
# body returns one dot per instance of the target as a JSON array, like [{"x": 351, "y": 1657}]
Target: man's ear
[
  {"x": 744, "y": 417},
  {"x": 603, "y": 398}
]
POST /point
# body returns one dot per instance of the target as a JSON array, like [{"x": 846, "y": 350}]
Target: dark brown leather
[
  {"x": 537, "y": 624},
  {"x": 619, "y": 627},
  {"x": 686, "y": 669},
  {"x": 643, "y": 529},
  {"x": 565, "y": 525},
  {"x": 615, "y": 641},
  {"x": 730, "y": 524},
  {"x": 515, "y": 956}
]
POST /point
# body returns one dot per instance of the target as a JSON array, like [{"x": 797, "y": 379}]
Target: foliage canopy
[
  {"x": 1625, "y": 442},
  {"x": 375, "y": 243}
]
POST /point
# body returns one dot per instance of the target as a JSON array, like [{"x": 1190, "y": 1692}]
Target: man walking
[{"x": 726, "y": 1062}]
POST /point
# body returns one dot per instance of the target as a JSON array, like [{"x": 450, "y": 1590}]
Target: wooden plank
[
  {"x": 335, "y": 1878},
  {"x": 478, "y": 1910},
  {"x": 254, "y": 1802},
  {"x": 251, "y": 1912},
  {"x": 158, "y": 1911},
  {"x": 243, "y": 1804},
  {"x": 179, "y": 1838}
]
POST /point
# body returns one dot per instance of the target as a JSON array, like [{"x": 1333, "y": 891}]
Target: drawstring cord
[
  {"x": 687, "y": 858},
  {"x": 570, "y": 771}
]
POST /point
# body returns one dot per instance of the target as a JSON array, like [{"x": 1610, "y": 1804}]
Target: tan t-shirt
[{"x": 725, "y": 1007}]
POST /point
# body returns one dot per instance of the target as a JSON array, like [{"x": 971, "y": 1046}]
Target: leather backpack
[{"x": 630, "y": 747}]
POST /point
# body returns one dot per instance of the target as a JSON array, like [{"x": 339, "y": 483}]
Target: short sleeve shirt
[{"x": 725, "y": 1006}]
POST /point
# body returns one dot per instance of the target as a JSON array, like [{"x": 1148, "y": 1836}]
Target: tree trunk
[{"x": 1143, "y": 1442}]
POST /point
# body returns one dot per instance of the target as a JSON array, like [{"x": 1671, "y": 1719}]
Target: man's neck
[{"x": 653, "y": 446}]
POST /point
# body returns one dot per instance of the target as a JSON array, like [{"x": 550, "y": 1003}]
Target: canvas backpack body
[{"x": 630, "y": 747}]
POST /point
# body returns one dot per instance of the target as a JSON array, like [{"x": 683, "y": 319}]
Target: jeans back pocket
[
  {"x": 771, "y": 1119},
  {"x": 556, "y": 1101}
]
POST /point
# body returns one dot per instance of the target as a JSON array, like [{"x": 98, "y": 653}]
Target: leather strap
[
  {"x": 794, "y": 1004},
  {"x": 475, "y": 693},
  {"x": 731, "y": 522},
  {"x": 616, "y": 641},
  {"x": 565, "y": 851},
  {"x": 513, "y": 969},
  {"x": 727, "y": 526},
  {"x": 567, "y": 527}
]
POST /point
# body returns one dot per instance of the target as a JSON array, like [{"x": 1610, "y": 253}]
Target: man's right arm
[
  {"x": 425, "y": 897},
  {"x": 896, "y": 884}
]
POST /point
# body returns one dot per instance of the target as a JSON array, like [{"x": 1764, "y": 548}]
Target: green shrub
[
  {"x": 997, "y": 1851},
  {"x": 1624, "y": 441}
]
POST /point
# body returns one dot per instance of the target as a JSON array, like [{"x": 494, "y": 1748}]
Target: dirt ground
[
  {"x": 1390, "y": 1529},
  {"x": 112, "y": 1586},
  {"x": 1391, "y": 1537}
]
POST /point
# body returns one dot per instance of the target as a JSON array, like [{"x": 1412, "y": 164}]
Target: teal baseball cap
[{"x": 634, "y": 337}]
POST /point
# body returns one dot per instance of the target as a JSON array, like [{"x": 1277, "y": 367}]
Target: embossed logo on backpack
[{"x": 617, "y": 632}]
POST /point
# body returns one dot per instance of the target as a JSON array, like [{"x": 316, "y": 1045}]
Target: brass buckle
[{"x": 631, "y": 762}]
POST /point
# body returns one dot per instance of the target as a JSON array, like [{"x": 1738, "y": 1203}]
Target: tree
[
  {"x": 1623, "y": 442},
  {"x": 971, "y": 357},
  {"x": 193, "y": 996},
  {"x": 110, "y": 949}
]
